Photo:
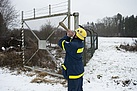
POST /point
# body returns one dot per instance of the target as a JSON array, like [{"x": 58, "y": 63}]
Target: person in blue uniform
[{"x": 73, "y": 68}]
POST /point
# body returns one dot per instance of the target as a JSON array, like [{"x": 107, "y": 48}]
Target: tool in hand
[{"x": 64, "y": 26}]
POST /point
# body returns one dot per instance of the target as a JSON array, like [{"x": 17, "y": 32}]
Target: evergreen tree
[
  {"x": 119, "y": 23},
  {"x": 116, "y": 26},
  {"x": 135, "y": 26}
]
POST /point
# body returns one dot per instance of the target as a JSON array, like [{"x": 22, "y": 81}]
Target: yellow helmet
[{"x": 81, "y": 33}]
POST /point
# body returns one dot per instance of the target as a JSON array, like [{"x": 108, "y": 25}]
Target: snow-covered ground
[{"x": 108, "y": 70}]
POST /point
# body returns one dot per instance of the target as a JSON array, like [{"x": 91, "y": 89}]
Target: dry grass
[
  {"x": 10, "y": 59},
  {"x": 42, "y": 74},
  {"x": 128, "y": 47}
]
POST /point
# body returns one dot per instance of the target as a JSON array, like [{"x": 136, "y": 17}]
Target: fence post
[
  {"x": 34, "y": 13},
  {"x": 22, "y": 38},
  {"x": 49, "y": 9},
  {"x": 69, "y": 14},
  {"x": 76, "y": 20}
]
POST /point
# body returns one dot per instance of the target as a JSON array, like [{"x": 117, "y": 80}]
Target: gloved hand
[{"x": 70, "y": 33}]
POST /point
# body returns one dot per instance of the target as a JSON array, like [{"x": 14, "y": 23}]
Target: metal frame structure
[{"x": 68, "y": 15}]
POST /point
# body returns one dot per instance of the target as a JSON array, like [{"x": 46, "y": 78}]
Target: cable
[
  {"x": 59, "y": 10},
  {"x": 59, "y": 3}
]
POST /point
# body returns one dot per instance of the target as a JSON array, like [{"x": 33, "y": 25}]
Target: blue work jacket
[{"x": 73, "y": 67}]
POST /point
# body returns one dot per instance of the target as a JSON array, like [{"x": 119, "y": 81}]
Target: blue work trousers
[{"x": 75, "y": 84}]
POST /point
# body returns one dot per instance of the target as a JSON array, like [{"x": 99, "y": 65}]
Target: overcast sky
[{"x": 89, "y": 10}]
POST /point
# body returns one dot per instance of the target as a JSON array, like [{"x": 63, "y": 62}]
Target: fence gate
[{"x": 91, "y": 44}]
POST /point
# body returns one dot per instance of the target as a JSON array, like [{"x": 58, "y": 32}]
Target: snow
[
  {"x": 108, "y": 62},
  {"x": 106, "y": 71},
  {"x": 12, "y": 82}
]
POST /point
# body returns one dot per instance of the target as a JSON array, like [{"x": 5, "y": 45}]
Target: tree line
[
  {"x": 108, "y": 26},
  {"x": 115, "y": 26}
]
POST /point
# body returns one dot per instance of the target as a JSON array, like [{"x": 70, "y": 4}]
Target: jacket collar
[{"x": 77, "y": 39}]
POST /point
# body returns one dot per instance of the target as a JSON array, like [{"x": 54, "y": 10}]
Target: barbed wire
[
  {"x": 61, "y": 10},
  {"x": 28, "y": 12},
  {"x": 41, "y": 13},
  {"x": 59, "y": 7},
  {"x": 60, "y": 3},
  {"x": 28, "y": 16},
  {"x": 43, "y": 8}
]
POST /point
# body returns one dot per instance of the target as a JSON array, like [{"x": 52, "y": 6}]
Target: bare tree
[
  {"x": 2, "y": 26},
  {"x": 9, "y": 13}
]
